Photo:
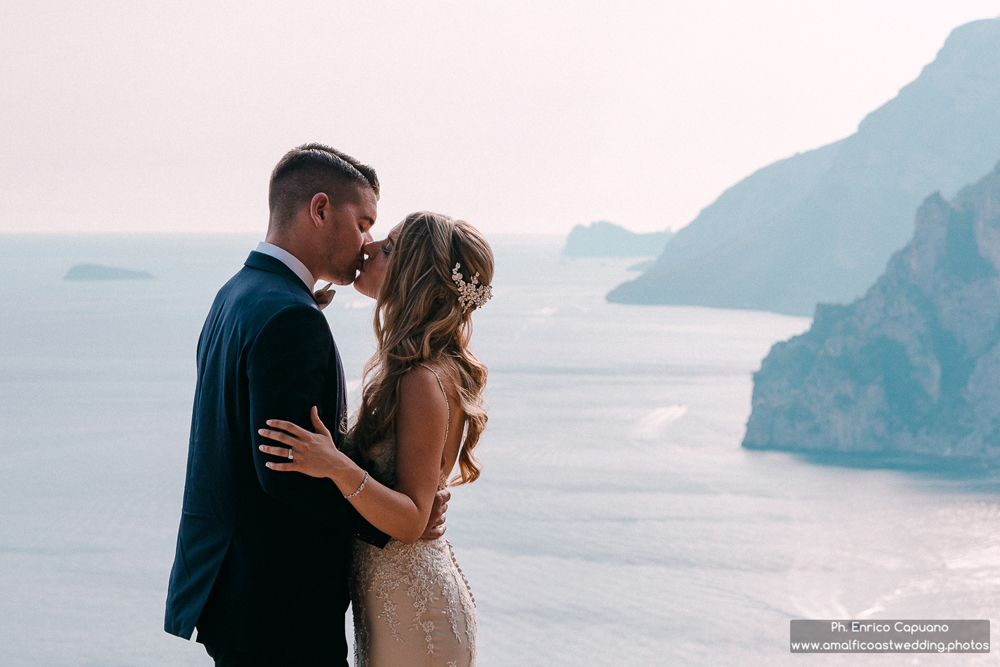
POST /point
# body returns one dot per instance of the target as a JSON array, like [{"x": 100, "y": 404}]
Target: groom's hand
[{"x": 435, "y": 524}]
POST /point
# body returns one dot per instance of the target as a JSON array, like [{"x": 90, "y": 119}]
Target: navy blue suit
[{"x": 260, "y": 552}]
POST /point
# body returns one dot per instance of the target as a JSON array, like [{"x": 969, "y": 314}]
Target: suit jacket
[{"x": 262, "y": 556}]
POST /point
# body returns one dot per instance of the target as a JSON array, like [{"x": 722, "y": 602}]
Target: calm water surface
[{"x": 618, "y": 521}]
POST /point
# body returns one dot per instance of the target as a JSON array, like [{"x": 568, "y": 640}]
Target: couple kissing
[{"x": 290, "y": 514}]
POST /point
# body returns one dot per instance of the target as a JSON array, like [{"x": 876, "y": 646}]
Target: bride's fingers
[
  {"x": 318, "y": 423},
  {"x": 281, "y": 437},
  {"x": 277, "y": 451},
  {"x": 294, "y": 429}
]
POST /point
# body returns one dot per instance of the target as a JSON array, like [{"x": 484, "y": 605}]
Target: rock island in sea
[
  {"x": 101, "y": 272},
  {"x": 606, "y": 239}
]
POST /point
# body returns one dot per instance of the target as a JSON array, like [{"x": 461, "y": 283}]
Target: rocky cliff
[
  {"x": 912, "y": 369},
  {"x": 820, "y": 226}
]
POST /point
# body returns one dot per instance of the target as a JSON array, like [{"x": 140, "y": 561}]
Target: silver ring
[{"x": 290, "y": 458}]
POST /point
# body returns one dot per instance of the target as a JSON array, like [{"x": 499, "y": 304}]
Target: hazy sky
[{"x": 517, "y": 116}]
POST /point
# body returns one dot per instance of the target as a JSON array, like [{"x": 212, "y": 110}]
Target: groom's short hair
[{"x": 312, "y": 168}]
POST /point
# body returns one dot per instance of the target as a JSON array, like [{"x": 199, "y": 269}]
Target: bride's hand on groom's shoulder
[{"x": 313, "y": 454}]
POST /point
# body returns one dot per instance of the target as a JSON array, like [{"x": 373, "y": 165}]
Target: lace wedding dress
[{"x": 412, "y": 604}]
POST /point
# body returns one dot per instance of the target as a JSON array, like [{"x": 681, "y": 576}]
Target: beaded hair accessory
[{"x": 472, "y": 294}]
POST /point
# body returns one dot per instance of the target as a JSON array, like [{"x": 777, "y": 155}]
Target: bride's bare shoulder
[{"x": 425, "y": 382}]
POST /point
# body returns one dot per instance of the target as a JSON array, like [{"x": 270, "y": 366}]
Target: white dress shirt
[{"x": 289, "y": 260}]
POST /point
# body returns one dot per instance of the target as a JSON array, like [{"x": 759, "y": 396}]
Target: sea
[{"x": 618, "y": 521}]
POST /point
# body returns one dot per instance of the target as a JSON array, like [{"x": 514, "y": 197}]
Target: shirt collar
[{"x": 289, "y": 260}]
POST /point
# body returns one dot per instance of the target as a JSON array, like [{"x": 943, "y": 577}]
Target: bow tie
[{"x": 324, "y": 296}]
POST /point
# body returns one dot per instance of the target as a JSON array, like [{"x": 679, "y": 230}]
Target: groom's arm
[{"x": 289, "y": 372}]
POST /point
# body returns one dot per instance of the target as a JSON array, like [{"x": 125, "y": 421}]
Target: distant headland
[
  {"x": 101, "y": 272},
  {"x": 605, "y": 239},
  {"x": 819, "y": 227}
]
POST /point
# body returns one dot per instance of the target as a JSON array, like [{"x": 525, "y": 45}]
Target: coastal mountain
[
  {"x": 820, "y": 226},
  {"x": 912, "y": 369},
  {"x": 604, "y": 239}
]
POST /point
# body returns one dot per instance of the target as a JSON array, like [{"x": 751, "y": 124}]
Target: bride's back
[{"x": 412, "y": 604}]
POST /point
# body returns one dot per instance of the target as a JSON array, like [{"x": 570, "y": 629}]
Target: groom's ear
[{"x": 317, "y": 208}]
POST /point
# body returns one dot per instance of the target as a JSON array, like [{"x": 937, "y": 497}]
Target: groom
[{"x": 262, "y": 556}]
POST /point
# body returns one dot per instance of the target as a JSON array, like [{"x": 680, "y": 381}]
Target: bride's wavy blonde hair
[{"x": 418, "y": 319}]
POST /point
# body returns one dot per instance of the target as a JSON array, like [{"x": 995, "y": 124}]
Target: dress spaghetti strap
[{"x": 446, "y": 401}]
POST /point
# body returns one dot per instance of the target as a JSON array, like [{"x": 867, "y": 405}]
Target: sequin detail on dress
[{"x": 412, "y": 604}]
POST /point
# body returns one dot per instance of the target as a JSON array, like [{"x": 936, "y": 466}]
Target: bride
[{"x": 421, "y": 415}]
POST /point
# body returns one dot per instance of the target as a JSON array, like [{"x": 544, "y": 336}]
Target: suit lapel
[{"x": 258, "y": 260}]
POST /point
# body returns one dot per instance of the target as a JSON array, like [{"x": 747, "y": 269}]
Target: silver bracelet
[{"x": 363, "y": 482}]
